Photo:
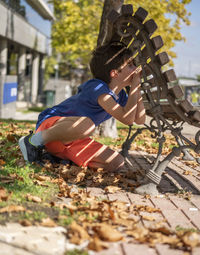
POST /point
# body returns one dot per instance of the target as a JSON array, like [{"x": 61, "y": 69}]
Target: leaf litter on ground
[{"x": 88, "y": 218}]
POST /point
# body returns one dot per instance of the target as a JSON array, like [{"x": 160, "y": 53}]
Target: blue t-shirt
[{"x": 85, "y": 103}]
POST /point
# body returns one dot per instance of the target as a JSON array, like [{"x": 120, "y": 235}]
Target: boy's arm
[
  {"x": 140, "y": 114},
  {"x": 129, "y": 113}
]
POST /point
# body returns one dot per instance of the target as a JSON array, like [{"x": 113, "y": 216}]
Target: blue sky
[{"x": 187, "y": 62}]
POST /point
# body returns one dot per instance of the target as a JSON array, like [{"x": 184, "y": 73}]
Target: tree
[{"x": 76, "y": 29}]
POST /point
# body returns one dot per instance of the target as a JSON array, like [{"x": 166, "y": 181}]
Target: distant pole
[
  {"x": 56, "y": 67},
  {"x": 189, "y": 68}
]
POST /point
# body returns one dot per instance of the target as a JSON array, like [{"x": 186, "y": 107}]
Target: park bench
[{"x": 163, "y": 97}]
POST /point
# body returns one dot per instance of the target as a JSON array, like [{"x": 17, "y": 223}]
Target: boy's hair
[{"x": 108, "y": 57}]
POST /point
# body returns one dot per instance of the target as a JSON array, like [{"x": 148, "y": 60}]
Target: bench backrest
[{"x": 161, "y": 92}]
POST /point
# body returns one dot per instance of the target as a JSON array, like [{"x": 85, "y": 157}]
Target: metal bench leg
[
  {"x": 154, "y": 177},
  {"x": 186, "y": 154}
]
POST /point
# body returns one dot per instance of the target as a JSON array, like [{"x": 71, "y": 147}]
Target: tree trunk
[{"x": 108, "y": 128}]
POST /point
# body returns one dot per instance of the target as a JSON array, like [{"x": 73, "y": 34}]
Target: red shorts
[{"x": 81, "y": 152}]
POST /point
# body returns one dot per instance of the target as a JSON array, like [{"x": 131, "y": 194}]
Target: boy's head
[{"x": 108, "y": 57}]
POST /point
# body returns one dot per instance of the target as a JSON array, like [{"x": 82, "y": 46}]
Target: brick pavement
[{"x": 180, "y": 210}]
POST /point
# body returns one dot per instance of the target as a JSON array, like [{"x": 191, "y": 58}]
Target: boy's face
[{"x": 126, "y": 72}]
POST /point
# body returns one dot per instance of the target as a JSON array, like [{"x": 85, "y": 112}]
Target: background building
[
  {"x": 191, "y": 88},
  {"x": 24, "y": 41}
]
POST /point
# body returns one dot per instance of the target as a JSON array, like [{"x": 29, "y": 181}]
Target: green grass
[
  {"x": 76, "y": 252},
  {"x": 33, "y": 109},
  {"x": 179, "y": 228},
  {"x": 22, "y": 180}
]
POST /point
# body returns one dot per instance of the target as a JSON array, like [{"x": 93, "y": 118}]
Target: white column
[
  {"x": 22, "y": 59},
  {"x": 3, "y": 56},
  {"x": 41, "y": 79},
  {"x": 35, "y": 78},
  {"x": 21, "y": 72},
  {"x": 3, "y": 70}
]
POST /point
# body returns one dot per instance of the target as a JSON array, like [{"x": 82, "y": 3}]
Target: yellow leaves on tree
[{"x": 76, "y": 28}]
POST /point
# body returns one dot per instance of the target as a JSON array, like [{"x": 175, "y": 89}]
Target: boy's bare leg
[
  {"x": 68, "y": 129},
  {"x": 107, "y": 159}
]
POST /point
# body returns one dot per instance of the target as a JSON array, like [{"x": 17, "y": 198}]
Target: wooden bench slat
[
  {"x": 141, "y": 14},
  {"x": 186, "y": 106},
  {"x": 127, "y": 9},
  {"x": 157, "y": 42},
  {"x": 145, "y": 52},
  {"x": 167, "y": 111},
  {"x": 162, "y": 58},
  {"x": 176, "y": 91},
  {"x": 150, "y": 26},
  {"x": 170, "y": 75}
]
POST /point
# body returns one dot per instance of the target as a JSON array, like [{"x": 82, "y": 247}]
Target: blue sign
[{"x": 9, "y": 92}]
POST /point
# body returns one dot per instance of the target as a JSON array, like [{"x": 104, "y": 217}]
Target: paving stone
[
  {"x": 195, "y": 199},
  {"x": 194, "y": 217},
  {"x": 180, "y": 202},
  {"x": 130, "y": 249},
  {"x": 196, "y": 251},
  {"x": 192, "y": 212},
  {"x": 98, "y": 192},
  {"x": 177, "y": 218},
  {"x": 153, "y": 218},
  {"x": 120, "y": 196},
  {"x": 139, "y": 200},
  {"x": 114, "y": 249},
  {"x": 179, "y": 167},
  {"x": 163, "y": 203},
  {"x": 163, "y": 249}
]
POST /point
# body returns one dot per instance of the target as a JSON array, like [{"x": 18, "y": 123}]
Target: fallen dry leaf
[
  {"x": 12, "y": 208},
  {"x": 2, "y": 162},
  {"x": 107, "y": 233},
  {"x": 41, "y": 177},
  {"x": 149, "y": 218},
  {"x": 112, "y": 189},
  {"x": 4, "y": 195},
  {"x": 33, "y": 198},
  {"x": 11, "y": 138},
  {"x": 40, "y": 183},
  {"x": 97, "y": 245},
  {"x": 187, "y": 172},
  {"x": 77, "y": 233},
  {"x": 25, "y": 223},
  {"x": 139, "y": 233},
  {"x": 47, "y": 222},
  {"x": 191, "y": 239}
]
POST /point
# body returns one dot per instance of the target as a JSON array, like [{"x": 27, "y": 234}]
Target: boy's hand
[{"x": 136, "y": 78}]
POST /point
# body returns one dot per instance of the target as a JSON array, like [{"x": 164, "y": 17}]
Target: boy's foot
[{"x": 29, "y": 151}]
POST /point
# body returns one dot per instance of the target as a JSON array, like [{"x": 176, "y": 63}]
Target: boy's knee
[
  {"x": 86, "y": 126},
  {"x": 116, "y": 163}
]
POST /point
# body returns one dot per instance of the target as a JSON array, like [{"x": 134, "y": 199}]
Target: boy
[{"x": 65, "y": 128}]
